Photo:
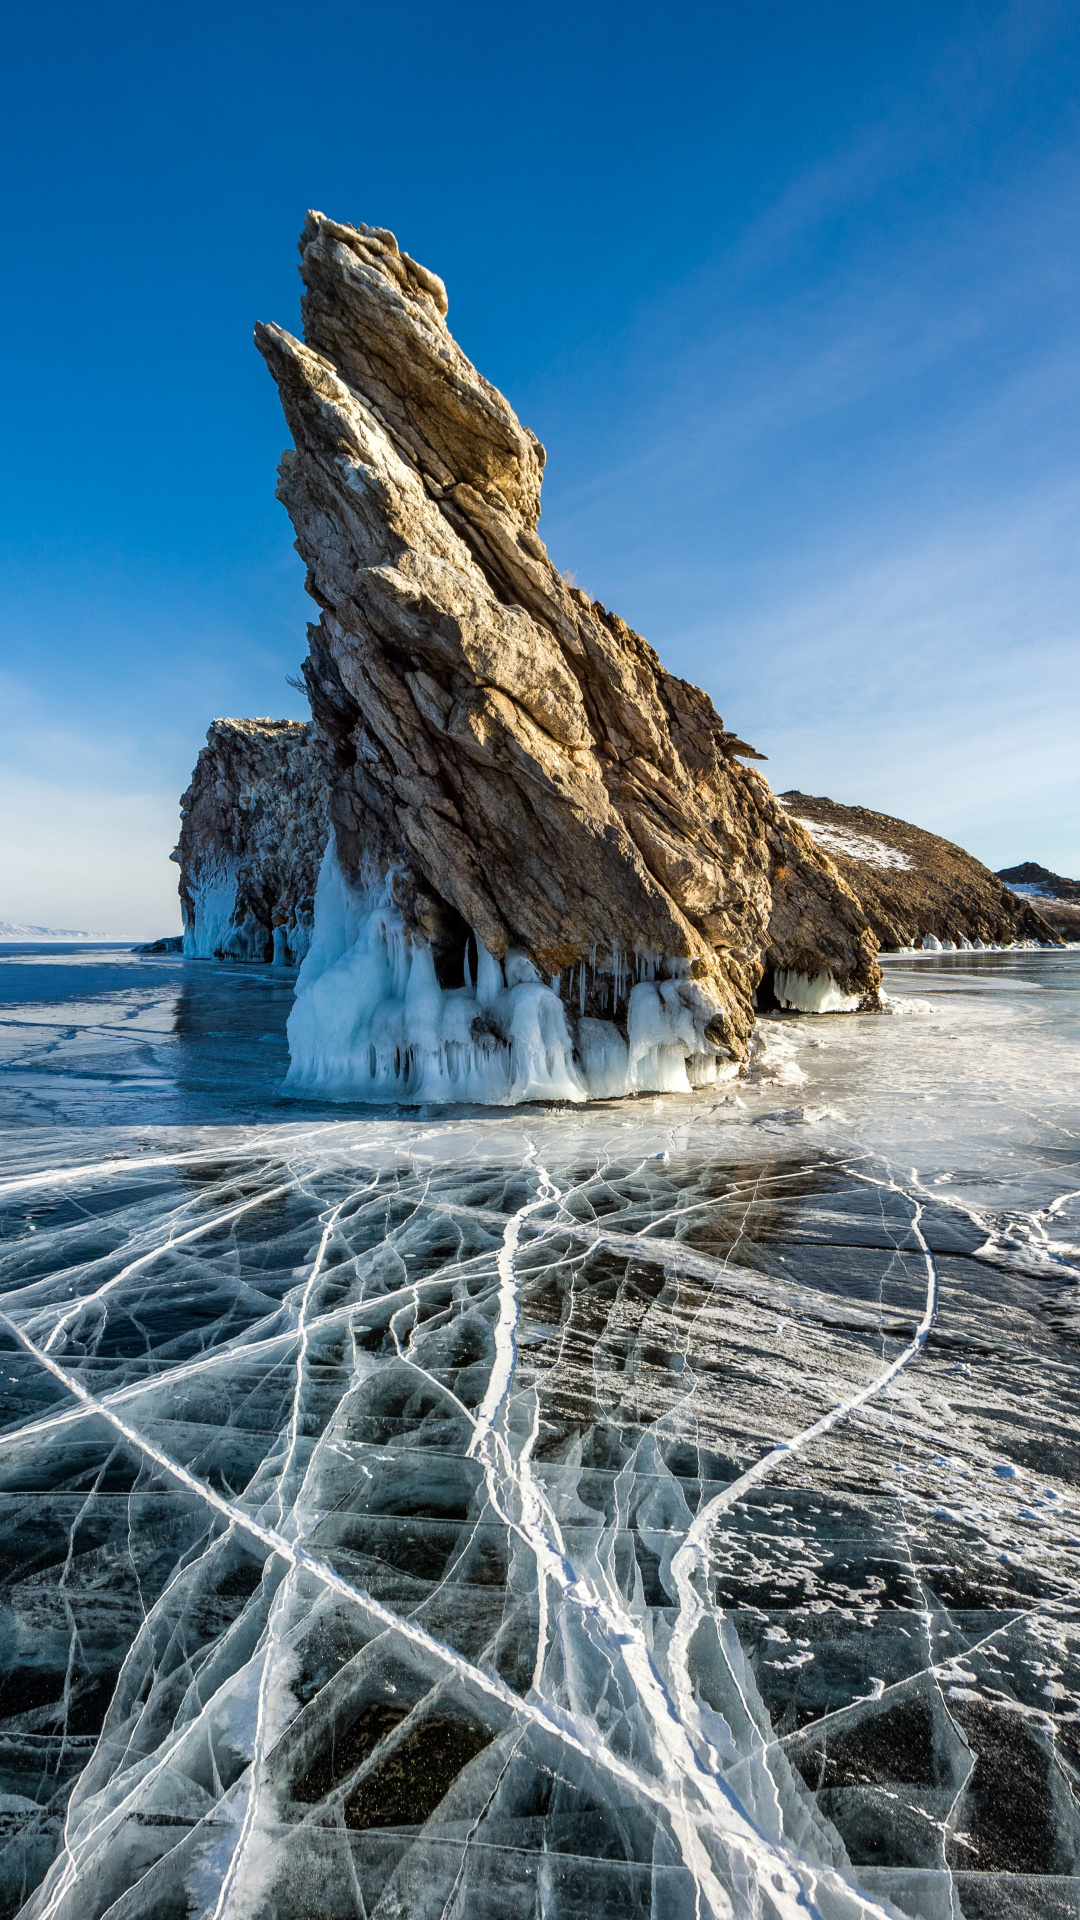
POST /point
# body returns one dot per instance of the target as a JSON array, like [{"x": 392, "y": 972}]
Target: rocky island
[
  {"x": 550, "y": 872},
  {"x": 517, "y": 858}
]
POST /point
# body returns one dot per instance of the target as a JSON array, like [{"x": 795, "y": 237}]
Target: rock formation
[
  {"x": 550, "y": 874},
  {"x": 253, "y": 831},
  {"x": 916, "y": 888},
  {"x": 1058, "y": 898}
]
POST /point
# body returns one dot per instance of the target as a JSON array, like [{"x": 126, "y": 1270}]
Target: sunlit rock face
[
  {"x": 253, "y": 832},
  {"x": 520, "y": 780},
  {"x": 918, "y": 889}
]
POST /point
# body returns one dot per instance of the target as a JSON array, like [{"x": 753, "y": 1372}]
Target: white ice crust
[{"x": 371, "y": 1021}]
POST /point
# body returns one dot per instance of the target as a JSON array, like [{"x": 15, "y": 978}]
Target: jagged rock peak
[
  {"x": 515, "y": 767},
  {"x": 253, "y": 831},
  {"x": 380, "y": 320}
]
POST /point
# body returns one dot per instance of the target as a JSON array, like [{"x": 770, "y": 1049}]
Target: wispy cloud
[
  {"x": 939, "y": 682},
  {"x": 847, "y": 502}
]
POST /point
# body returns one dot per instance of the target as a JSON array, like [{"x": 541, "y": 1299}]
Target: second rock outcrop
[{"x": 253, "y": 831}]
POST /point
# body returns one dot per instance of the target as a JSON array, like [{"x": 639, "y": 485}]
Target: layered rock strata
[
  {"x": 917, "y": 889},
  {"x": 551, "y": 875},
  {"x": 253, "y": 831}
]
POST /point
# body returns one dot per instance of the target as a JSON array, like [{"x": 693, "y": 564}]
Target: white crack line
[{"x": 775, "y": 1870}]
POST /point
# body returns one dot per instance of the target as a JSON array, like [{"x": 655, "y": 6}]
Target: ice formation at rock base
[
  {"x": 372, "y": 1022},
  {"x": 220, "y": 926},
  {"x": 818, "y": 995},
  {"x": 217, "y": 927}
]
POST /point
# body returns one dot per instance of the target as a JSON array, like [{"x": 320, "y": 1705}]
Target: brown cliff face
[
  {"x": 914, "y": 885},
  {"x": 516, "y": 753},
  {"x": 253, "y": 830}
]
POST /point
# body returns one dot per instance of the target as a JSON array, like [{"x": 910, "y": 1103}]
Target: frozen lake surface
[{"x": 655, "y": 1511}]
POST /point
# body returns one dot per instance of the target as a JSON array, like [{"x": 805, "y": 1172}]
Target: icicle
[
  {"x": 489, "y": 975},
  {"x": 818, "y": 995},
  {"x": 372, "y": 1023}
]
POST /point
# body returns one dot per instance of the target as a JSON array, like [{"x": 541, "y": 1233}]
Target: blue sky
[{"x": 789, "y": 291}]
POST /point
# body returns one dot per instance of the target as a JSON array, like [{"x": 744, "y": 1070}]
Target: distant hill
[
  {"x": 912, "y": 884},
  {"x": 1058, "y": 897},
  {"x": 11, "y": 930},
  {"x": 1033, "y": 879}
]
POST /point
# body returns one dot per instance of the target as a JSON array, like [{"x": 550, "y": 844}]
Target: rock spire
[{"x": 517, "y": 776}]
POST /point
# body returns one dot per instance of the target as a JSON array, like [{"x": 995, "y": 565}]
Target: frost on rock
[
  {"x": 253, "y": 831},
  {"x": 373, "y": 1022},
  {"x": 481, "y": 1523}
]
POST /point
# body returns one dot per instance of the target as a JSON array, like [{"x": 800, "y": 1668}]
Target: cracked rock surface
[{"x": 517, "y": 753}]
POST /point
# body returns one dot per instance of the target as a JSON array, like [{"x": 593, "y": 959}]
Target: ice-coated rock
[
  {"x": 517, "y": 773},
  {"x": 916, "y": 888},
  {"x": 252, "y": 835}
]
